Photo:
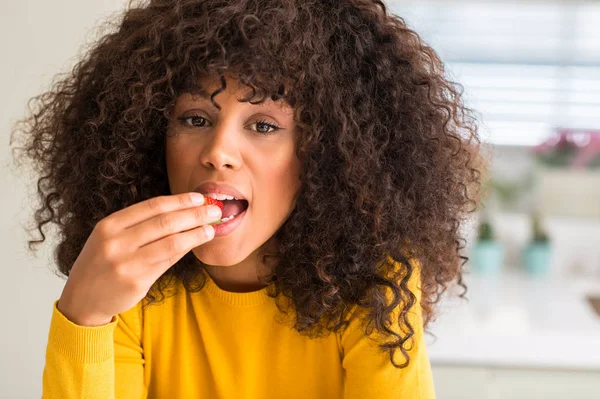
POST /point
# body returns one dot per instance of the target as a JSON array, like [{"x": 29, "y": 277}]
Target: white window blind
[{"x": 528, "y": 67}]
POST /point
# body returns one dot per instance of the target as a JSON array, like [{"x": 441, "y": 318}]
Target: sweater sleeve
[
  {"x": 368, "y": 371},
  {"x": 102, "y": 362}
]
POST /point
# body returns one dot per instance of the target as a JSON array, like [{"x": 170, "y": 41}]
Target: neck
[{"x": 244, "y": 276}]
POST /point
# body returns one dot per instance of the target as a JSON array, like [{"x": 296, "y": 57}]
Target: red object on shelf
[{"x": 584, "y": 143}]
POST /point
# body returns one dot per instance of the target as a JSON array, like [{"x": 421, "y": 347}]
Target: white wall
[{"x": 38, "y": 39}]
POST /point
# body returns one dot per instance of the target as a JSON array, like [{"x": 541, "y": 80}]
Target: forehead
[
  {"x": 206, "y": 85},
  {"x": 203, "y": 88}
]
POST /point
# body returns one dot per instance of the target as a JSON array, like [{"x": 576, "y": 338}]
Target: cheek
[
  {"x": 175, "y": 155},
  {"x": 281, "y": 182}
]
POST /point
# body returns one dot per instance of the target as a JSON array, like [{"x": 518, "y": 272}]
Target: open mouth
[{"x": 231, "y": 209}]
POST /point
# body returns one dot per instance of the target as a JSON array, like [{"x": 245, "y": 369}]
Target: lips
[{"x": 219, "y": 188}]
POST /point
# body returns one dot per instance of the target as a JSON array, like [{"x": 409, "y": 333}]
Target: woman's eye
[
  {"x": 263, "y": 125},
  {"x": 195, "y": 119},
  {"x": 199, "y": 121}
]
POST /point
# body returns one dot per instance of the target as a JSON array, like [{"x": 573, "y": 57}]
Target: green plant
[
  {"x": 486, "y": 231},
  {"x": 539, "y": 234}
]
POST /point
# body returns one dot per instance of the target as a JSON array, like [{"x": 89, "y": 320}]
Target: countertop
[{"x": 517, "y": 320}]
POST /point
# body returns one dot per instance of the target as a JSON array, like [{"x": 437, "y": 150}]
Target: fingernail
[
  {"x": 213, "y": 211},
  {"x": 197, "y": 198}
]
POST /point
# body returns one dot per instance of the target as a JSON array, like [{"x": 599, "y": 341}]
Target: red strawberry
[{"x": 212, "y": 201}]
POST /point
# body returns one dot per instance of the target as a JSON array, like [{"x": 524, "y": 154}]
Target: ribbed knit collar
[{"x": 237, "y": 299}]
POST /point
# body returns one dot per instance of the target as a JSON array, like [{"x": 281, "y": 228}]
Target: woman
[{"x": 338, "y": 160}]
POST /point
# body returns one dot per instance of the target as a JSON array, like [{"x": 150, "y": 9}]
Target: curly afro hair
[{"x": 388, "y": 149}]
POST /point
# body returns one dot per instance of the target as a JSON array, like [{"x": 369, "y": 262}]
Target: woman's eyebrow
[{"x": 202, "y": 93}]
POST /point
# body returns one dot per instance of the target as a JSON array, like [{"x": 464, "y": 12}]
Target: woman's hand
[{"x": 128, "y": 251}]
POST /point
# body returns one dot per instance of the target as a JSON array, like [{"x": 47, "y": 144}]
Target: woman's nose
[{"x": 221, "y": 150}]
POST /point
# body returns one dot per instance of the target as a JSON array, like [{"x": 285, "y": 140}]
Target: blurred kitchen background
[
  {"x": 531, "y": 325},
  {"x": 531, "y": 71}
]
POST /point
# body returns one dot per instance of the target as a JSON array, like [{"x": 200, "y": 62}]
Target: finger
[
  {"x": 144, "y": 210},
  {"x": 164, "y": 253},
  {"x": 166, "y": 224}
]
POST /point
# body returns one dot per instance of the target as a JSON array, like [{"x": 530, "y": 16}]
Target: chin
[{"x": 219, "y": 256}]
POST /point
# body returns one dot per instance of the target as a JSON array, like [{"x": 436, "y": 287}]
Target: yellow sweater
[{"x": 218, "y": 344}]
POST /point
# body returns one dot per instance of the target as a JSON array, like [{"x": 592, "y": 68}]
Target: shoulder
[
  {"x": 369, "y": 370},
  {"x": 360, "y": 327}
]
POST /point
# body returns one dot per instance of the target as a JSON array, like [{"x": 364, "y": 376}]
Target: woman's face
[{"x": 231, "y": 146}]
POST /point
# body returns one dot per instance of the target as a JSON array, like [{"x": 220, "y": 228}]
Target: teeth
[
  {"x": 228, "y": 219},
  {"x": 220, "y": 197}
]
